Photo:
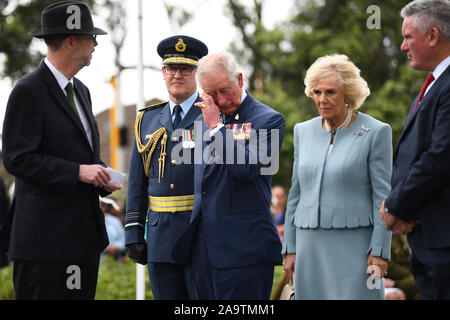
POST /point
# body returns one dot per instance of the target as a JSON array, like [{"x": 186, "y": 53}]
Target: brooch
[{"x": 362, "y": 130}]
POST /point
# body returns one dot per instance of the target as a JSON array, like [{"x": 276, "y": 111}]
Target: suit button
[
  {"x": 204, "y": 193},
  {"x": 172, "y": 186},
  {"x": 174, "y": 162},
  {"x": 175, "y": 139}
]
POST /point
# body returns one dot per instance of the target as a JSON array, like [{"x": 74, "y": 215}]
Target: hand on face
[{"x": 210, "y": 111}]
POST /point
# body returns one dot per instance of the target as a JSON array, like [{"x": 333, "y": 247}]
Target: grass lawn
[{"x": 116, "y": 281}]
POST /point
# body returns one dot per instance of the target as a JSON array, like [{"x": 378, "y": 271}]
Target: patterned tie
[
  {"x": 428, "y": 80},
  {"x": 177, "y": 110},
  {"x": 69, "y": 91}
]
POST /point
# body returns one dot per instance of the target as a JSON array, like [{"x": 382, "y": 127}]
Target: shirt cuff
[{"x": 217, "y": 128}]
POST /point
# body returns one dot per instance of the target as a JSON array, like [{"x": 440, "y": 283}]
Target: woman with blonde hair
[{"x": 335, "y": 243}]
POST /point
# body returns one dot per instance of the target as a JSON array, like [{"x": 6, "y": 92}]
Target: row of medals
[{"x": 241, "y": 131}]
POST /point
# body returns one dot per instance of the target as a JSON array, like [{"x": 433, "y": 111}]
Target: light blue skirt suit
[{"x": 332, "y": 217}]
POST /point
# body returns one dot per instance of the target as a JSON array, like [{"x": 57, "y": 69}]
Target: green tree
[{"x": 280, "y": 57}]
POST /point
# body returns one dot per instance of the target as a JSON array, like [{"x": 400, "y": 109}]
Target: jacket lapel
[
  {"x": 192, "y": 114},
  {"x": 89, "y": 117},
  {"x": 424, "y": 103},
  {"x": 57, "y": 93},
  {"x": 165, "y": 119},
  {"x": 204, "y": 143},
  {"x": 409, "y": 118}
]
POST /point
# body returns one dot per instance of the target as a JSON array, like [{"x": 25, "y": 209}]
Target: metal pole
[{"x": 140, "y": 269}]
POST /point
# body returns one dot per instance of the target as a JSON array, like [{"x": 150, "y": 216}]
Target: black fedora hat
[{"x": 66, "y": 18}]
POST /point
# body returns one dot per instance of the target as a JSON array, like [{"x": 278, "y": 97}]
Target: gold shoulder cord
[{"x": 149, "y": 148}]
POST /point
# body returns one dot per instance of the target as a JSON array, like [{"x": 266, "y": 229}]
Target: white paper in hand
[{"x": 116, "y": 176}]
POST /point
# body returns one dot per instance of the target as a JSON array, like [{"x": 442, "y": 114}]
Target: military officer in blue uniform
[{"x": 161, "y": 178}]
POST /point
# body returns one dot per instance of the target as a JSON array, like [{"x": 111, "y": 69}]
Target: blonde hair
[{"x": 338, "y": 65}]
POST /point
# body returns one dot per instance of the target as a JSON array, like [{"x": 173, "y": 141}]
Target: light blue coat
[{"x": 345, "y": 190}]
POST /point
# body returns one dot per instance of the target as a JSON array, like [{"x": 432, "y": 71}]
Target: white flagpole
[{"x": 140, "y": 269}]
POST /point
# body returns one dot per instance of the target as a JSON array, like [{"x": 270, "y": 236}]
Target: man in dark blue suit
[
  {"x": 419, "y": 202},
  {"x": 232, "y": 239}
]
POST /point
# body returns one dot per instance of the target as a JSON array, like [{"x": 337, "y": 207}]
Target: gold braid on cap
[{"x": 149, "y": 148}]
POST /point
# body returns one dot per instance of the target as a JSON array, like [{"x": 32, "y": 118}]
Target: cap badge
[{"x": 180, "y": 46}]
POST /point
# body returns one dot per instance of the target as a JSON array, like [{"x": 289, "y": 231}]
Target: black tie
[
  {"x": 177, "y": 110},
  {"x": 69, "y": 91}
]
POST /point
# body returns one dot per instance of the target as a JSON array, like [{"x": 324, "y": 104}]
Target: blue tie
[{"x": 177, "y": 110}]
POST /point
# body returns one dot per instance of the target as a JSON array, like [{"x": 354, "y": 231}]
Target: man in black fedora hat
[{"x": 55, "y": 230}]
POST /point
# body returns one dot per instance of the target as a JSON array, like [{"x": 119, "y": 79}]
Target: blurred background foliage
[{"x": 277, "y": 58}]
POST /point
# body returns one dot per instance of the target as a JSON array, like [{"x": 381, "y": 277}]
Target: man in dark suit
[
  {"x": 232, "y": 240},
  {"x": 4, "y": 208},
  {"x": 55, "y": 228},
  {"x": 419, "y": 202},
  {"x": 161, "y": 193}
]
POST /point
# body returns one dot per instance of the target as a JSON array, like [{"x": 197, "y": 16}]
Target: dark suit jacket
[
  {"x": 4, "y": 208},
  {"x": 421, "y": 175},
  {"x": 54, "y": 216},
  {"x": 233, "y": 200}
]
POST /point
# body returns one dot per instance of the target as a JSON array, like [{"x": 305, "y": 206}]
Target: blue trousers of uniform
[
  {"x": 241, "y": 283},
  {"x": 431, "y": 270},
  {"x": 171, "y": 281}
]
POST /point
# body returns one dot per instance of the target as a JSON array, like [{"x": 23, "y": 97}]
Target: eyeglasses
[
  {"x": 185, "y": 71},
  {"x": 92, "y": 37}
]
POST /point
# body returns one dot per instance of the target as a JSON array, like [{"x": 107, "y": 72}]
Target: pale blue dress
[{"x": 332, "y": 219}]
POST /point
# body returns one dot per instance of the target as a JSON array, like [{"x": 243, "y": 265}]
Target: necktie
[
  {"x": 69, "y": 91},
  {"x": 428, "y": 80},
  {"x": 177, "y": 110}
]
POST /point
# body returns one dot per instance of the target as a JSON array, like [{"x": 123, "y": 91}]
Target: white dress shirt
[
  {"x": 62, "y": 81},
  {"x": 441, "y": 67}
]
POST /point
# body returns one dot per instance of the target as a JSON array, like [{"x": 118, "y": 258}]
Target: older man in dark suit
[
  {"x": 56, "y": 229},
  {"x": 419, "y": 202},
  {"x": 4, "y": 208},
  {"x": 232, "y": 239}
]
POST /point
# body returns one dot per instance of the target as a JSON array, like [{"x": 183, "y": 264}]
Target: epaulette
[{"x": 153, "y": 106}]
